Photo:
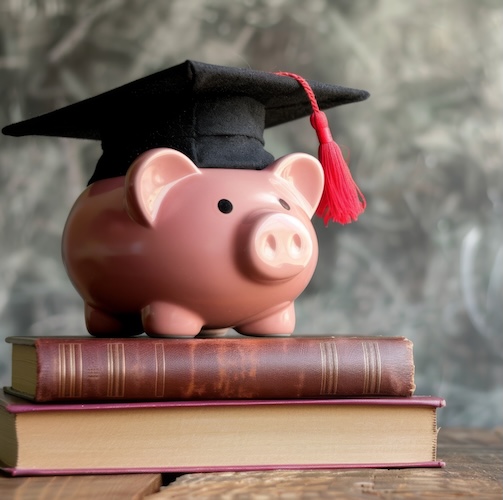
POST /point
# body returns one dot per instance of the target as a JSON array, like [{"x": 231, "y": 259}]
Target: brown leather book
[{"x": 48, "y": 369}]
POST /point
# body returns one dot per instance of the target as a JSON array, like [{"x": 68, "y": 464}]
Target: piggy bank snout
[{"x": 279, "y": 245}]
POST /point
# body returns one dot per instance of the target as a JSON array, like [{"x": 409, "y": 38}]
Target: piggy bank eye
[
  {"x": 225, "y": 206},
  {"x": 284, "y": 204}
]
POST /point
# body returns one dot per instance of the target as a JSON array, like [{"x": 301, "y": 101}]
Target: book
[
  {"x": 57, "y": 369},
  {"x": 475, "y": 470},
  {"x": 225, "y": 435}
]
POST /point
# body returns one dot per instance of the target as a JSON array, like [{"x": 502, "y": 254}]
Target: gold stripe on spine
[
  {"x": 116, "y": 370},
  {"x": 70, "y": 353},
  {"x": 378, "y": 368},
  {"x": 366, "y": 369},
  {"x": 70, "y": 370},
  {"x": 61, "y": 370},
  {"x": 329, "y": 368},
  {"x": 79, "y": 368},
  {"x": 372, "y": 366},
  {"x": 160, "y": 369}
]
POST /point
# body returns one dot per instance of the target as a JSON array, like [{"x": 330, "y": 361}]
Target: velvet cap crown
[{"x": 216, "y": 115}]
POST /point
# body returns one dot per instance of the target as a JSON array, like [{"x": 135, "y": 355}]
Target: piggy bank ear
[
  {"x": 305, "y": 174},
  {"x": 149, "y": 179}
]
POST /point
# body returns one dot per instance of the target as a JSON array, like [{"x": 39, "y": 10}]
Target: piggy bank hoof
[
  {"x": 163, "y": 319},
  {"x": 206, "y": 333},
  {"x": 279, "y": 323},
  {"x": 104, "y": 324}
]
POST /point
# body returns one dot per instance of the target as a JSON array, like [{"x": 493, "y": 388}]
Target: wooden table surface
[{"x": 474, "y": 469}]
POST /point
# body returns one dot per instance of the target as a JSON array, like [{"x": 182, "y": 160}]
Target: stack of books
[{"x": 109, "y": 405}]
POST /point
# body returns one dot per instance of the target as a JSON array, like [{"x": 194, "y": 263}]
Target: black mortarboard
[{"x": 215, "y": 115}]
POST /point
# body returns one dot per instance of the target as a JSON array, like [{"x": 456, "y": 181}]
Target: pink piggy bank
[{"x": 174, "y": 250}]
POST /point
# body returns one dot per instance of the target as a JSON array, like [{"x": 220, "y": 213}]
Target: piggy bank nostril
[
  {"x": 295, "y": 246},
  {"x": 270, "y": 246}
]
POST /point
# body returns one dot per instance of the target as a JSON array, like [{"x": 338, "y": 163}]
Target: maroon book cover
[{"x": 85, "y": 369}]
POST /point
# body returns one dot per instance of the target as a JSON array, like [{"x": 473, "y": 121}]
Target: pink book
[{"x": 230, "y": 435}]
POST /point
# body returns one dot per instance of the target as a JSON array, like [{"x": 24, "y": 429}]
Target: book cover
[
  {"x": 54, "y": 369},
  {"x": 232, "y": 435}
]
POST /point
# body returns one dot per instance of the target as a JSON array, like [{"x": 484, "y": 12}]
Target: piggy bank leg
[
  {"x": 164, "y": 319},
  {"x": 213, "y": 332},
  {"x": 102, "y": 324},
  {"x": 279, "y": 323}
]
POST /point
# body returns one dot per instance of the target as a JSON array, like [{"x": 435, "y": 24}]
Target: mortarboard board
[{"x": 216, "y": 115}]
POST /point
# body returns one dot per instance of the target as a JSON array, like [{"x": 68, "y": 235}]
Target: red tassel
[{"x": 341, "y": 201}]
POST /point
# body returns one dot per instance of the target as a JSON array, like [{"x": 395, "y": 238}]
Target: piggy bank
[{"x": 174, "y": 251}]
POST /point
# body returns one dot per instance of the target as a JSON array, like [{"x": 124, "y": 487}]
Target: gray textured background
[{"x": 424, "y": 261}]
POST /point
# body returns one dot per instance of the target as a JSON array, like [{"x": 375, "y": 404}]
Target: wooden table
[{"x": 474, "y": 469}]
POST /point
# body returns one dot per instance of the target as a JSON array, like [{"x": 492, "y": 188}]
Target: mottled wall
[{"x": 424, "y": 261}]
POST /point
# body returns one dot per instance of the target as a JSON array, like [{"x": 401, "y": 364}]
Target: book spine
[{"x": 151, "y": 369}]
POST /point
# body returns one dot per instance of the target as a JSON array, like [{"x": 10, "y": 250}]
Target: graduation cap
[{"x": 216, "y": 115}]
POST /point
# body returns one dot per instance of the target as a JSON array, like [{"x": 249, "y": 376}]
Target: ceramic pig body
[{"x": 171, "y": 249}]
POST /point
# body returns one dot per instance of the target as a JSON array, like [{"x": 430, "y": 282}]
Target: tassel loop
[{"x": 319, "y": 122}]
